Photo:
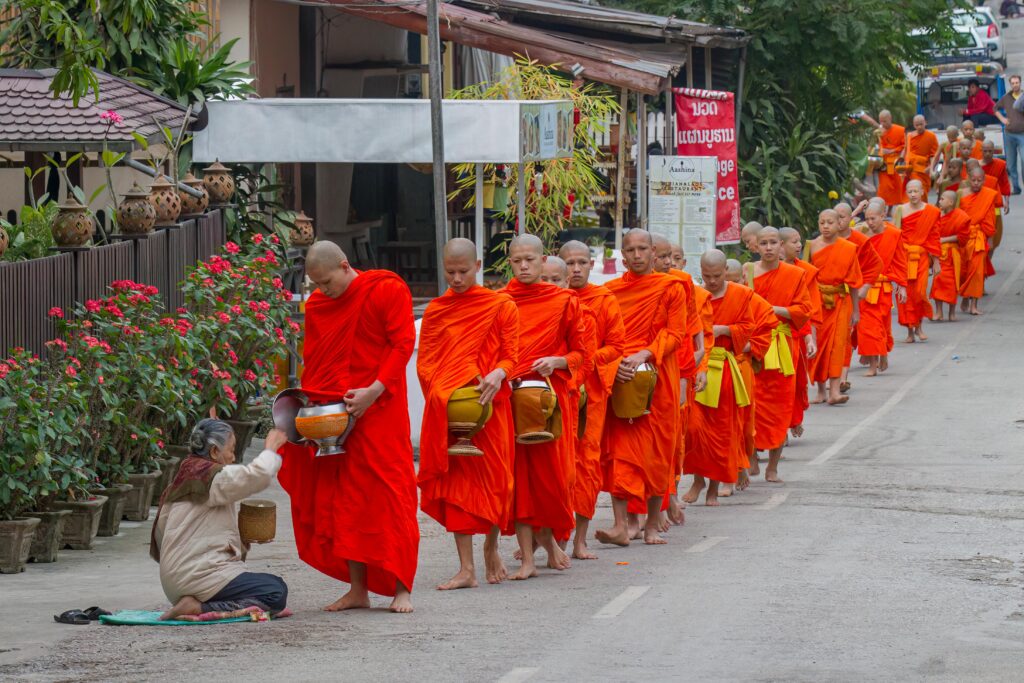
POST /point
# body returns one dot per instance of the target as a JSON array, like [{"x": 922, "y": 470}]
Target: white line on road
[
  {"x": 619, "y": 604},
  {"x": 852, "y": 433},
  {"x": 775, "y": 501},
  {"x": 707, "y": 544},
  {"x": 519, "y": 675}
]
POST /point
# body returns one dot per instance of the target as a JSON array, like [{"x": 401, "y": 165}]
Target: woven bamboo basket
[{"x": 257, "y": 520}]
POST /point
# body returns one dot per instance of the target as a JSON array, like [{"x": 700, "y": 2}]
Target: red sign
[{"x": 705, "y": 127}]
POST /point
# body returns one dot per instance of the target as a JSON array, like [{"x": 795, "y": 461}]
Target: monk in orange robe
[
  {"x": 995, "y": 168},
  {"x": 839, "y": 278},
  {"x": 891, "y": 146},
  {"x": 552, "y": 346},
  {"x": 759, "y": 308},
  {"x": 784, "y": 287},
  {"x": 639, "y": 453},
  {"x": 806, "y": 336},
  {"x": 969, "y": 133},
  {"x": 952, "y": 174},
  {"x": 979, "y": 203},
  {"x": 468, "y": 494},
  {"x": 355, "y": 514},
  {"x": 922, "y": 153},
  {"x": 918, "y": 222},
  {"x": 870, "y": 267},
  {"x": 716, "y": 449},
  {"x": 609, "y": 337},
  {"x": 954, "y": 229},
  {"x": 873, "y": 330}
]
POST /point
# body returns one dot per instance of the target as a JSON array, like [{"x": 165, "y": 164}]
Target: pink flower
[
  {"x": 250, "y": 376},
  {"x": 93, "y": 305},
  {"x": 56, "y": 312},
  {"x": 232, "y": 248},
  {"x": 275, "y": 239},
  {"x": 159, "y": 444},
  {"x": 233, "y": 357},
  {"x": 236, "y": 309},
  {"x": 58, "y": 343},
  {"x": 70, "y": 371},
  {"x": 100, "y": 380},
  {"x": 151, "y": 291},
  {"x": 294, "y": 325},
  {"x": 257, "y": 238},
  {"x": 4, "y": 369},
  {"x": 135, "y": 437},
  {"x": 181, "y": 310},
  {"x": 224, "y": 318},
  {"x": 264, "y": 306},
  {"x": 230, "y": 393},
  {"x": 261, "y": 317},
  {"x": 111, "y": 117},
  {"x": 278, "y": 283}
]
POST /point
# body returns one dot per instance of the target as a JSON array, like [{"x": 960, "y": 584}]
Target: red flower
[
  {"x": 257, "y": 238},
  {"x": 224, "y": 318},
  {"x": 99, "y": 380},
  {"x": 93, "y": 305},
  {"x": 70, "y": 371},
  {"x": 151, "y": 291},
  {"x": 4, "y": 369},
  {"x": 159, "y": 444},
  {"x": 56, "y": 312},
  {"x": 261, "y": 317},
  {"x": 278, "y": 283},
  {"x": 294, "y": 325},
  {"x": 236, "y": 309},
  {"x": 232, "y": 248},
  {"x": 58, "y": 343},
  {"x": 250, "y": 376},
  {"x": 135, "y": 437},
  {"x": 275, "y": 239},
  {"x": 230, "y": 393}
]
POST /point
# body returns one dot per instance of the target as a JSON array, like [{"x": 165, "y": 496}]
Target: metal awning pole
[
  {"x": 479, "y": 234},
  {"x": 521, "y": 200},
  {"x": 437, "y": 140},
  {"x": 620, "y": 167},
  {"x": 641, "y": 160}
]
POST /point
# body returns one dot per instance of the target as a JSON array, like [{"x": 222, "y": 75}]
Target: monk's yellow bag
[
  {"x": 632, "y": 399},
  {"x": 535, "y": 411},
  {"x": 581, "y": 427},
  {"x": 466, "y": 417}
]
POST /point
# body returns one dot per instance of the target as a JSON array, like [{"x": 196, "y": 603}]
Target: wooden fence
[{"x": 29, "y": 289}]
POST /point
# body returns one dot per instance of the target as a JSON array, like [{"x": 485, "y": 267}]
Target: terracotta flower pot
[
  {"x": 303, "y": 234},
  {"x": 164, "y": 198},
  {"x": 193, "y": 206},
  {"x": 81, "y": 527},
  {"x": 110, "y": 519},
  {"x": 140, "y": 498},
  {"x": 244, "y": 430},
  {"x": 4, "y": 241},
  {"x": 168, "y": 470},
  {"x": 136, "y": 214},
  {"x": 219, "y": 183},
  {"x": 49, "y": 536},
  {"x": 15, "y": 543},
  {"x": 73, "y": 226}
]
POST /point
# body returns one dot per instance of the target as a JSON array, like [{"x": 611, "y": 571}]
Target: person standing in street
[{"x": 1013, "y": 135}]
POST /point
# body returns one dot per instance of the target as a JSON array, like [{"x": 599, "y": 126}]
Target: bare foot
[
  {"x": 580, "y": 551},
  {"x": 863, "y": 360},
  {"x": 614, "y": 536},
  {"x": 921, "y": 335},
  {"x": 838, "y": 401},
  {"x": 938, "y": 319},
  {"x": 909, "y": 339},
  {"x": 871, "y": 373},
  {"x": 350, "y": 600},
  {"x": 402, "y": 604},
  {"x": 976, "y": 311},
  {"x": 742, "y": 483},
  {"x": 187, "y": 605},
  {"x": 651, "y": 536},
  {"x": 664, "y": 524},
  {"x": 633, "y": 527},
  {"x": 693, "y": 494},
  {"x": 844, "y": 387},
  {"x": 772, "y": 476},
  {"x": 496, "y": 571},
  {"x": 557, "y": 559},
  {"x": 817, "y": 399},
  {"x": 755, "y": 466},
  {"x": 952, "y": 317},
  {"x": 465, "y": 578},
  {"x": 797, "y": 431},
  {"x": 527, "y": 571},
  {"x": 883, "y": 363},
  {"x": 725, "y": 490},
  {"x": 517, "y": 554},
  {"x": 675, "y": 512},
  {"x": 711, "y": 500}
]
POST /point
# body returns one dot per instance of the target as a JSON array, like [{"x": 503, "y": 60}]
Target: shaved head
[
  {"x": 712, "y": 271},
  {"x": 749, "y": 235},
  {"x": 573, "y": 246},
  {"x": 460, "y": 248},
  {"x": 526, "y": 241},
  {"x": 460, "y": 264},
  {"x": 713, "y": 257},
  {"x": 555, "y": 272},
  {"x": 526, "y": 256},
  {"x": 791, "y": 244},
  {"x": 328, "y": 268},
  {"x": 578, "y": 262},
  {"x": 638, "y": 234},
  {"x": 638, "y": 252},
  {"x": 947, "y": 201},
  {"x": 733, "y": 270},
  {"x": 915, "y": 183},
  {"x": 662, "y": 253}
]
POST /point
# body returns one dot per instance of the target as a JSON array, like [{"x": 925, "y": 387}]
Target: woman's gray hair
[{"x": 208, "y": 433}]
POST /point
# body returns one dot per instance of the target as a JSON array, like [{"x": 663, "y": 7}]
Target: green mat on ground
[{"x": 141, "y": 617}]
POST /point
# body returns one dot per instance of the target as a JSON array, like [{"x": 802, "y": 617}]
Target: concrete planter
[
  {"x": 168, "y": 470},
  {"x": 49, "y": 536},
  {"x": 15, "y": 543},
  {"x": 140, "y": 498},
  {"x": 244, "y": 431},
  {"x": 110, "y": 519},
  {"x": 81, "y": 527}
]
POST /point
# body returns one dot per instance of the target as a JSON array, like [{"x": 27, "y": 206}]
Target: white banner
[{"x": 682, "y": 204}]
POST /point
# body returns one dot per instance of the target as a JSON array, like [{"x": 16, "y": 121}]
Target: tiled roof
[{"x": 31, "y": 119}]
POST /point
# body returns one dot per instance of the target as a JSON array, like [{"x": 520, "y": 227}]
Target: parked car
[
  {"x": 966, "y": 47},
  {"x": 942, "y": 93},
  {"x": 982, "y": 22}
]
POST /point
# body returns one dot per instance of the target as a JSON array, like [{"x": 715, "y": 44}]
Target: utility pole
[{"x": 437, "y": 139}]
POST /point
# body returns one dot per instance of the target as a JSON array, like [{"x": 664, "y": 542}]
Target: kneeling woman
[{"x": 195, "y": 535}]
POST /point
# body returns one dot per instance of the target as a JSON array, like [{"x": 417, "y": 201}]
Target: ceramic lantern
[
  {"x": 219, "y": 183},
  {"x": 164, "y": 197},
  {"x": 302, "y": 235},
  {"x": 136, "y": 215},
  {"x": 4, "y": 240},
  {"x": 193, "y": 206},
  {"x": 72, "y": 226}
]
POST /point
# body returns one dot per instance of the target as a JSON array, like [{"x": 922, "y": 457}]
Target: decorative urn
[
  {"x": 136, "y": 215},
  {"x": 303, "y": 234},
  {"x": 164, "y": 197},
  {"x": 4, "y": 241},
  {"x": 193, "y": 206},
  {"x": 72, "y": 226},
  {"x": 219, "y": 183}
]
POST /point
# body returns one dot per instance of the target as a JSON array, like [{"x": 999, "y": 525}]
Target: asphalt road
[{"x": 894, "y": 551}]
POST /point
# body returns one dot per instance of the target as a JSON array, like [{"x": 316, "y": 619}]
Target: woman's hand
[
  {"x": 490, "y": 384},
  {"x": 275, "y": 440},
  {"x": 360, "y": 400}
]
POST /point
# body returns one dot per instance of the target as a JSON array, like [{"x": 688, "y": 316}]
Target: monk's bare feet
[
  {"x": 557, "y": 559},
  {"x": 910, "y": 339},
  {"x": 517, "y": 554},
  {"x": 952, "y": 316},
  {"x": 797, "y": 431},
  {"x": 350, "y": 600},
  {"x": 864, "y": 359},
  {"x": 633, "y": 527},
  {"x": 920, "y": 334},
  {"x": 871, "y": 373},
  {"x": 975, "y": 311},
  {"x": 725, "y": 490},
  {"x": 465, "y": 578},
  {"x": 938, "y": 319},
  {"x": 402, "y": 604},
  {"x": 883, "y": 363},
  {"x": 185, "y": 606},
  {"x": 755, "y": 466},
  {"x": 496, "y": 571},
  {"x": 614, "y": 536},
  {"x": 838, "y": 400},
  {"x": 580, "y": 551},
  {"x": 772, "y": 476},
  {"x": 964, "y": 303},
  {"x": 527, "y": 571},
  {"x": 711, "y": 500},
  {"x": 844, "y": 387},
  {"x": 675, "y": 512},
  {"x": 742, "y": 483},
  {"x": 693, "y": 494},
  {"x": 664, "y": 524}
]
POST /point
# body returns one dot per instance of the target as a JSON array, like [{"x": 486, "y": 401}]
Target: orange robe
[
  {"x": 890, "y": 183},
  {"x": 997, "y": 169},
  {"x": 639, "y": 454},
  {"x": 716, "y": 448},
  {"x": 774, "y": 390},
  {"x": 551, "y": 323},
  {"x": 610, "y": 338},
  {"x": 921, "y": 241},
  {"x": 998, "y": 172},
  {"x": 946, "y": 283},
  {"x": 921, "y": 147},
  {"x": 706, "y": 315},
  {"x": 687, "y": 370},
  {"x": 874, "y": 331},
  {"x": 801, "y": 402},
  {"x": 467, "y": 494},
  {"x": 359, "y": 506},
  {"x": 838, "y": 272},
  {"x": 870, "y": 267},
  {"x": 981, "y": 208},
  {"x": 765, "y": 321}
]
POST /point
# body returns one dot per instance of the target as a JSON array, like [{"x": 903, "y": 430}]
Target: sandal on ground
[
  {"x": 75, "y": 617},
  {"x": 94, "y": 613}
]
